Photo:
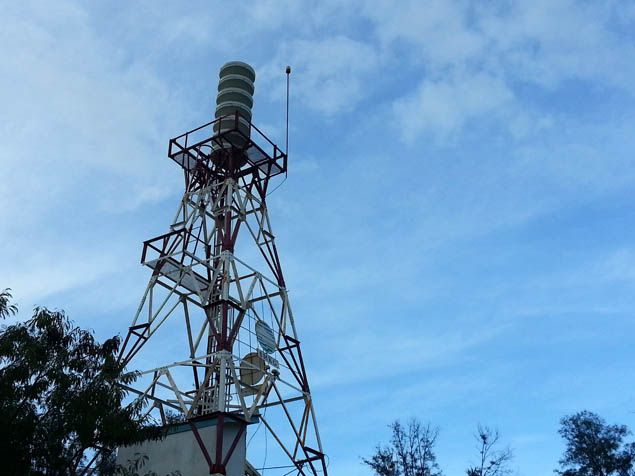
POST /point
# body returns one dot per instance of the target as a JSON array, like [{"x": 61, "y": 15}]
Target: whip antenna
[{"x": 286, "y": 145}]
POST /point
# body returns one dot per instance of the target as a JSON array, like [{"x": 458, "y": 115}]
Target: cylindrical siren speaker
[{"x": 234, "y": 103}]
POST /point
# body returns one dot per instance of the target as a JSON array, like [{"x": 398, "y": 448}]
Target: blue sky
[{"x": 457, "y": 225}]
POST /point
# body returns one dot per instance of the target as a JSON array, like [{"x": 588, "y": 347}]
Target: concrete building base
[{"x": 180, "y": 450}]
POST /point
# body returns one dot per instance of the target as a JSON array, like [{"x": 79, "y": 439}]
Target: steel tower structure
[{"x": 218, "y": 291}]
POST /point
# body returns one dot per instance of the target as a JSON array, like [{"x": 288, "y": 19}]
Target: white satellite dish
[
  {"x": 265, "y": 337},
  {"x": 252, "y": 369}
]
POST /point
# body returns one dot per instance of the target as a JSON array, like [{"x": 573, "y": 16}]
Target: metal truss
[{"x": 231, "y": 322}]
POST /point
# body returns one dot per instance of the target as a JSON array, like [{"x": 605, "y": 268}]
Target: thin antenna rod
[{"x": 286, "y": 146}]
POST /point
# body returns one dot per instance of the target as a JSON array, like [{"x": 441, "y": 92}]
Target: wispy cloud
[
  {"x": 76, "y": 109},
  {"x": 473, "y": 59},
  {"x": 332, "y": 74},
  {"x": 444, "y": 106},
  {"x": 388, "y": 352}
]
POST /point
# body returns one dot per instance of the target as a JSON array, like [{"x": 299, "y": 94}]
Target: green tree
[
  {"x": 491, "y": 460},
  {"x": 595, "y": 448},
  {"x": 6, "y": 308},
  {"x": 410, "y": 452},
  {"x": 59, "y": 396}
]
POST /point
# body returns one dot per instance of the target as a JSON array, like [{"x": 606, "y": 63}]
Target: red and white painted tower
[{"x": 218, "y": 292}]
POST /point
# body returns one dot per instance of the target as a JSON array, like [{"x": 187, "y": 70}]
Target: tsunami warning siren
[{"x": 238, "y": 394}]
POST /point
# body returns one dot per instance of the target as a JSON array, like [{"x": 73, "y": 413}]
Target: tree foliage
[
  {"x": 595, "y": 448},
  {"x": 410, "y": 452},
  {"x": 59, "y": 396},
  {"x": 492, "y": 461},
  {"x": 6, "y": 308}
]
